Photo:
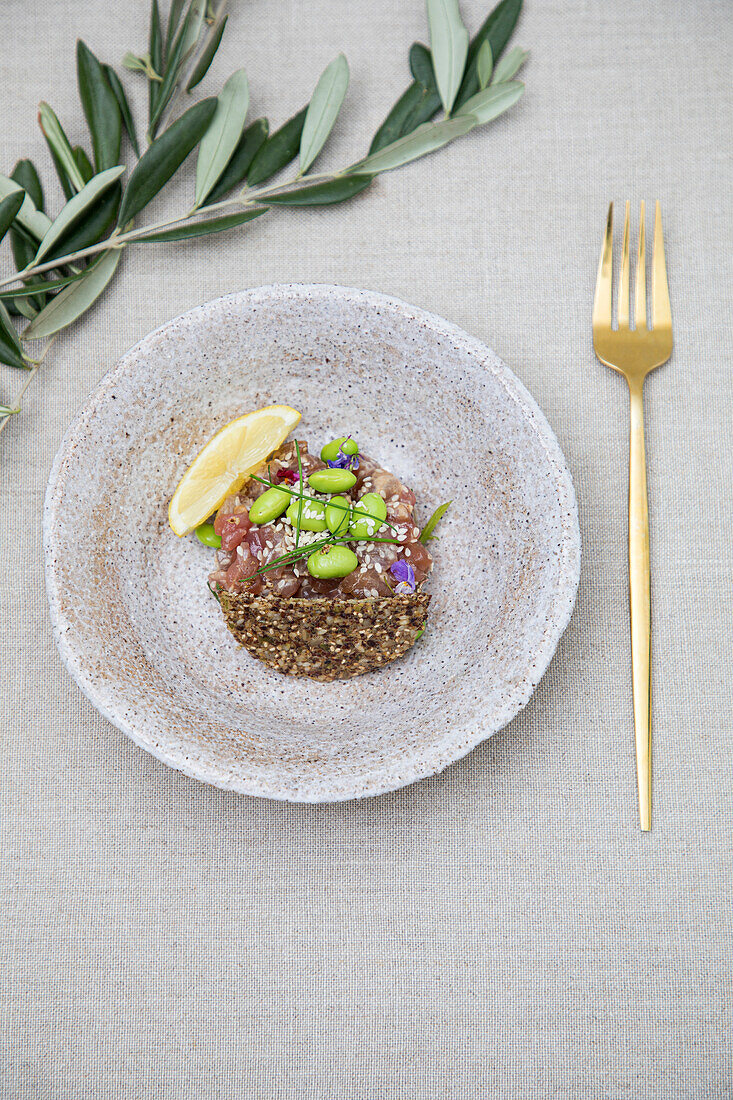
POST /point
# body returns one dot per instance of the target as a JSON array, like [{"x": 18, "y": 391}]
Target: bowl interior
[{"x": 146, "y": 641}]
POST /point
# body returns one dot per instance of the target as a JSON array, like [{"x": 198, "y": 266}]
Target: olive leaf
[
  {"x": 425, "y": 139},
  {"x": 94, "y": 225},
  {"x": 156, "y": 58},
  {"x": 34, "y": 221},
  {"x": 76, "y": 206},
  {"x": 8, "y": 355},
  {"x": 509, "y": 65},
  {"x": 496, "y": 30},
  {"x": 249, "y": 145},
  {"x": 101, "y": 109},
  {"x": 223, "y": 134},
  {"x": 448, "y": 48},
  {"x": 174, "y": 18},
  {"x": 492, "y": 102},
  {"x": 278, "y": 150},
  {"x": 66, "y": 185},
  {"x": 415, "y": 106},
  {"x": 163, "y": 157},
  {"x": 59, "y": 145},
  {"x": 40, "y": 286},
  {"x": 207, "y": 56},
  {"x": 191, "y": 28},
  {"x": 204, "y": 227},
  {"x": 420, "y": 101},
  {"x": 22, "y": 243},
  {"x": 174, "y": 61},
  {"x": 9, "y": 207},
  {"x": 26, "y": 175},
  {"x": 23, "y": 252},
  {"x": 11, "y": 351},
  {"x": 323, "y": 110},
  {"x": 75, "y": 299},
  {"x": 484, "y": 64},
  {"x": 83, "y": 163},
  {"x": 26, "y": 308},
  {"x": 338, "y": 189},
  {"x": 421, "y": 65},
  {"x": 427, "y": 532},
  {"x": 119, "y": 93}
]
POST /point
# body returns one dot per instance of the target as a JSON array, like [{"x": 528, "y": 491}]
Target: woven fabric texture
[{"x": 502, "y": 930}]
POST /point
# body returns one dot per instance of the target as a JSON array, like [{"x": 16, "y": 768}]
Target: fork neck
[{"x": 636, "y": 386}]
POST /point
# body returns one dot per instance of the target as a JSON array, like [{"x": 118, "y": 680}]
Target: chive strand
[
  {"x": 300, "y": 492},
  {"x": 368, "y": 515},
  {"x": 305, "y": 552}
]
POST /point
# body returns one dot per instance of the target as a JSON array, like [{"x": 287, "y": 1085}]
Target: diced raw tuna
[{"x": 232, "y": 528}]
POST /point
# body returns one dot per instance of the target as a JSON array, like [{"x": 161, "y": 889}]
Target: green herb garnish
[{"x": 433, "y": 522}]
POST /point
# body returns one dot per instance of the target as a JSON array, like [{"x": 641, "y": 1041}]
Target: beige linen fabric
[{"x": 502, "y": 930}]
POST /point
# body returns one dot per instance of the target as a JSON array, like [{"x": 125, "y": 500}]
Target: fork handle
[{"x": 640, "y": 603}]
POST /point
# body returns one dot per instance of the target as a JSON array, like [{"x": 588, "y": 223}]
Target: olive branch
[{"x": 64, "y": 264}]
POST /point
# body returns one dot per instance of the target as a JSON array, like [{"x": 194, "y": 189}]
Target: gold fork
[{"x": 634, "y": 353}]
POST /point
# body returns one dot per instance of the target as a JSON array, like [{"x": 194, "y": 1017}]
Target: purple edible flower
[
  {"x": 403, "y": 572},
  {"x": 344, "y": 461}
]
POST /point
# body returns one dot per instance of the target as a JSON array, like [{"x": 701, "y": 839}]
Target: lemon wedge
[{"x": 222, "y": 466}]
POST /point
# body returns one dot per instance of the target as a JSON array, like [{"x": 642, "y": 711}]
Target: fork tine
[
  {"x": 661, "y": 311},
  {"x": 623, "y": 284},
  {"x": 603, "y": 300},
  {"x": 640, "y": 307}
]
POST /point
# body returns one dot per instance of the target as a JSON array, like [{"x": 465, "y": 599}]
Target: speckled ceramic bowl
[{"x": 143, "y": 638}]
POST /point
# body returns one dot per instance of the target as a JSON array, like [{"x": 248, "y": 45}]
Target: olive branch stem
[
  {"x": 235, "y": 163},
  {"x": 32, "y": 371},
  {"x": 249, "y": 197}
]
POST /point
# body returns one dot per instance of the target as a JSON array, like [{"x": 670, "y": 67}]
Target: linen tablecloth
[{"x": 503, "y": 929}]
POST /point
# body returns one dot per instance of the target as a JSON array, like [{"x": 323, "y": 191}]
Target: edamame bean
[
  {"x": 338, "y": 515},
  {"x": 364, "y": 527},
  {"x": 332, "y": 481},
  {"x": 332, "y": 562},
  {"x": 347, "y": 445},
  {"x": 269, "y": 506},
  {"x": 312, "y": 515},
  {"x": 205, "y": 533}
]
